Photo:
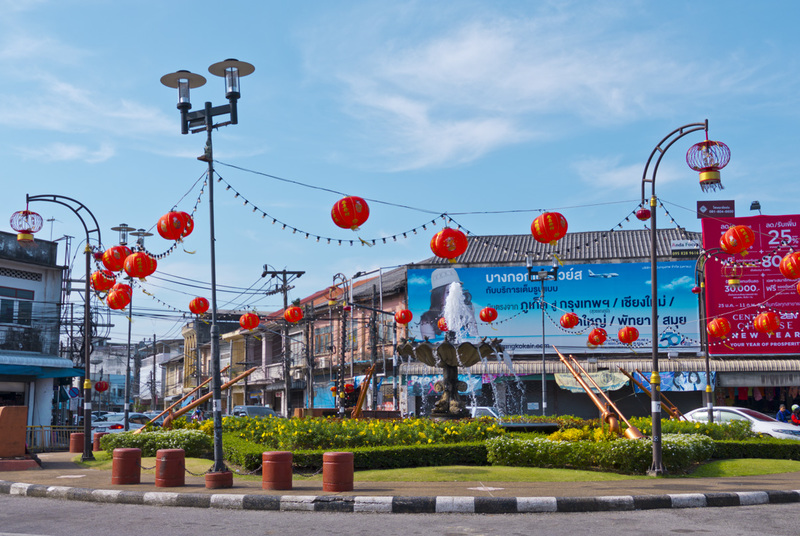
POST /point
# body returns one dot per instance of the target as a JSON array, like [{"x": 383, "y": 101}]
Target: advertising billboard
[
  {"x": 602, "y": 295},
  {"x": 761, "y": 286}
]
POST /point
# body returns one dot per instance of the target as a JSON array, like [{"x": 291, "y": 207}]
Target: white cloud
[
  {"x": 680, "y": 282},
  {"x": 61, "y": 152}
]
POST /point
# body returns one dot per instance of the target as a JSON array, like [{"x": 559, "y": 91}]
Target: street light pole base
[
  {"x": 222, "y": 479},
  {"x": 657, "y": 471}
]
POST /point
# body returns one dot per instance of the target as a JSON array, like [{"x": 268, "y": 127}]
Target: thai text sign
[
  {"x": 602, "y": 295},
  {"x": 760, "y": 285}
]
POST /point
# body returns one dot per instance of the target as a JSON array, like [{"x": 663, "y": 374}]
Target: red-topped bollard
[
  {"x": 276, "y": 470},
  {"x": 337, "y": 471},
  {"x": 170, "y": 468},
  {"x": 76, "y": 442},
  {"x": 96, "y": 440},
  {"x": 126, "y": 466}
]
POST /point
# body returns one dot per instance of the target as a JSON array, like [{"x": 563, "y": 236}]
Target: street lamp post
[
  {"x": 79, "y": 209},
  {"x": 203, "y": 121},
  {"x": 341, "y": 279},
  {"x": 541, "y": 276},
  {"x": 700, "y": 281},
  {"x": 657, "y": 467}
]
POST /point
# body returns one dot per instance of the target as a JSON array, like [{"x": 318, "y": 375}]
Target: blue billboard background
[{"x": 602, "y": 295}]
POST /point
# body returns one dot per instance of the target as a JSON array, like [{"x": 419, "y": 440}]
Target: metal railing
[{"x": 49, "y": 438}]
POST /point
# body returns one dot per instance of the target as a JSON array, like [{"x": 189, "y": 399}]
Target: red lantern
[
  {"x": 719, "y": 327},
  {"x": 349, "y": 388},
  {"x": 26, "y": 223},
  {"x": 798, "y": 288},
  {"x": 790, "y": 266},
  {"x": 767, "y": 322},
  {"x": 403, "y": 317},
  {"x": 118, "y": 299},
  {"x": 569, "y": 320},
  {"x": 333, "y": 389},
  {"x": 122, "y": 287},
  {"x": 188, "y": 225},
  {"x": 488, "y": 314},
  {"x": 103, "y": 280},
  {"x": 350, "y": 212},
  {"x": 449, "y": 244},
  {"x": 696, "y": 289},
  {"x": 708, "y": 157},
  {"x": 442, "y": 324},
  {"x": 293, "y": 314},
  {"x": 198, "y": 305},
  {"x": 549, "y": 228},
  {"x": 597, "y": 336},
  {"x": 171, "y": 225},
  {"x": 737, "y": 239},
  {"x": 249, "y": 321},
  {"x": 100, "y": 386},
  {"x": 114, "y": 257},
  {"x": 139, "y": 264},
  {"x": 628, "y": 335},
  {"x": 643, "y": 214}
]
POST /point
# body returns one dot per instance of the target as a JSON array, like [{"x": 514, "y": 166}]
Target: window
[
  {"x": 322, "y": 340},
  {"x": 16, "y": 306}
]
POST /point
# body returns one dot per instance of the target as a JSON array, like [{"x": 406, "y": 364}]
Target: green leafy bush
[
  {"x": 630, "y": 456},
  {"x": 195, "y": 443},
  {"x": 769, "y": 448},
  {"x": 735, "y": 430}
]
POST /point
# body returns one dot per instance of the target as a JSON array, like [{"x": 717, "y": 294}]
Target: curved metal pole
[
  {"x": 78, "y": 208},
  {"x": 657, "y": 468},
  {"x": 700, "y": 281}
]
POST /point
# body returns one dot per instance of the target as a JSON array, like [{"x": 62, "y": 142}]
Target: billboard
[
  {"x": 761, "y": 286},
  {"x": 602, "y": 295}
]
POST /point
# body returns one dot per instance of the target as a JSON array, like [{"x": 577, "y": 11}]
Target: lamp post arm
[{"x": 669, "y": 139}]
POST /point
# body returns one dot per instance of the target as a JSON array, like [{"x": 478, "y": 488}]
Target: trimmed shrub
[
  {"x": 769, "y": 448},
  {"x": 735, "y": 430},
  {"x": 195, "y": 444}
]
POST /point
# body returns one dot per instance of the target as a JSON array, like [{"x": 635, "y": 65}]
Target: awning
[
  {"x": 524, "y": 367},
  {"x": 38, "y": 366}
]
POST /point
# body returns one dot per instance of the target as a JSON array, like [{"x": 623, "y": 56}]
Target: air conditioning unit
[
  {"x": 324, "y": 362},
  {"x": 297, "y": 375}
]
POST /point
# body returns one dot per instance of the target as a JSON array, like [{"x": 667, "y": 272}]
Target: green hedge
[
  {"x": 195, "y": 443},
  {"x": 734, "y": 430},
  {"x": 784, "y": 449},
  {"x": 630, "y": 456}
]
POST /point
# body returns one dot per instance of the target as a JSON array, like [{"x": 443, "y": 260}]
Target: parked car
[
  {"x": 255, "y": 411},
  {"x": 759, "y": 423},
  {"x": 115, "y": 422}
]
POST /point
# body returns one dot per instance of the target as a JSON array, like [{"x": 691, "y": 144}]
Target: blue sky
[{"x": 424, "y": 107}]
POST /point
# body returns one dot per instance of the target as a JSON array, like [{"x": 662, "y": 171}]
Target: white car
[
  {"x": 759, "y": 423},
  {"x": 115, "y": 422}
]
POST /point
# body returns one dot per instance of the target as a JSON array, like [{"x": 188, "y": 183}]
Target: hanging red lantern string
[
  {"x": 26, "y": 223},
  {"x": 114, "y": 257},
  {"x": 549, "y": 228},
  {"x": 628, "y": 335},
  {"x": 767, "y": 322},
  {"x": 643, "y": 214},
  {"x": 569, "y": 320},
  {"x": 100, "y": 386},
  {"x": 449, "y": 243},
  {"x": 249, "y": 321},
  {"x": 707, "y": 158},
  {"x": 188, "y": 225},
  {"x": 488, "y": 314},
  {"x": 403, "y": 317},
  {"x": 122, "y": 287},
  {"x": 790, "y": 265},
  {"x": 198, "y": 305},
  {"x": 719, "y": 327},
  {"x": 102, "y": 280},
  {"x": 350, "y": 212},
  {"x": 139, "y": 265},
  {"x": 118, "y": 299},
  {"x": 171, "y": 225},
  {"x": 293, "y": 314},
  {"x": 737, "y": 239},
  {"x": 597, "y": 336}
]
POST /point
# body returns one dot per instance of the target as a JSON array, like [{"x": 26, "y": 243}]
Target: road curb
[{"x": 403, "y": 505}]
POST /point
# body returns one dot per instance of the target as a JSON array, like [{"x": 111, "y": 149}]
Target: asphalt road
[{"x": 32, "y": 516}]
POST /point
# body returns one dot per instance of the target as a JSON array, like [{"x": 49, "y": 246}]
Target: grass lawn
[{"x": 464, "y": 473}]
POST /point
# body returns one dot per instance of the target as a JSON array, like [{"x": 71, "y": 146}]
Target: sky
[{"x": 490, "y": 112}]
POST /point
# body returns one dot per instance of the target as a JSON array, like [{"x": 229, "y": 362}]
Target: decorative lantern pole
[
  {"x": 709, "y": 177},
  {"x": 541, "y": 276},
  {"x": 80, "y": 210},
  {"x": 203, "y": 121}
]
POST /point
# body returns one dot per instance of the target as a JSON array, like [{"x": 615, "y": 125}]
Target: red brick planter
[{"x": 222, "y": 479}]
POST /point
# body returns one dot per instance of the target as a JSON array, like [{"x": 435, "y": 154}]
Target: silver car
[
  {"x": 115, "y": 422},
  {"x": 759, "y": 423}
]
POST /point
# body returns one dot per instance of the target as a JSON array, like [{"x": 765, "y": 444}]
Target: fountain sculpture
[{"x": 453, "y": 352}]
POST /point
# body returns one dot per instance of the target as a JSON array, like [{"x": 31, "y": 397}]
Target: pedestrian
[
  {"x": 796, "y": 415},
  {"x": 783, "y": 415}
]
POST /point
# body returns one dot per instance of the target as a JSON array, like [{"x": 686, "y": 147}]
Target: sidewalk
[{"x": 60, "y": 477}]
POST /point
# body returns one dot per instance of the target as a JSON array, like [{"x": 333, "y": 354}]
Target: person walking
[{"x": 783, "y": 415}]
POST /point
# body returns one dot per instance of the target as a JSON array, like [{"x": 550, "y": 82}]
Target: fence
[{"x": 49, "y": 438}]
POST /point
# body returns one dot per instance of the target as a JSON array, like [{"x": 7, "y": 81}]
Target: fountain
[{"x": 453, "y": 352}]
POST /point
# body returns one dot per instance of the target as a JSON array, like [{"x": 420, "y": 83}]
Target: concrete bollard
[
  {"x": 276, "y": 470},
  {"x": 337, "y": 471},
  {"x": 170, "y": 468},
  {"x": 76, "y": 441},
  {"x": 96, "y": 441},
  {"x": 126, "y": 466}
]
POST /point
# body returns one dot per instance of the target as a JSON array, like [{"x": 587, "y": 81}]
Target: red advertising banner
[{"x": 761, "y": 286}]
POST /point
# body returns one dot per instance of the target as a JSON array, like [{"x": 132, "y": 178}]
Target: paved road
[{"x": 37, "y": 516}]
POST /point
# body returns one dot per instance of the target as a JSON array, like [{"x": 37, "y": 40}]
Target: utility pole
[
  {"x": 310, "y": 352},
  {"x": 285, "y": 277},
  {"x": 373, "y": 336}
]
